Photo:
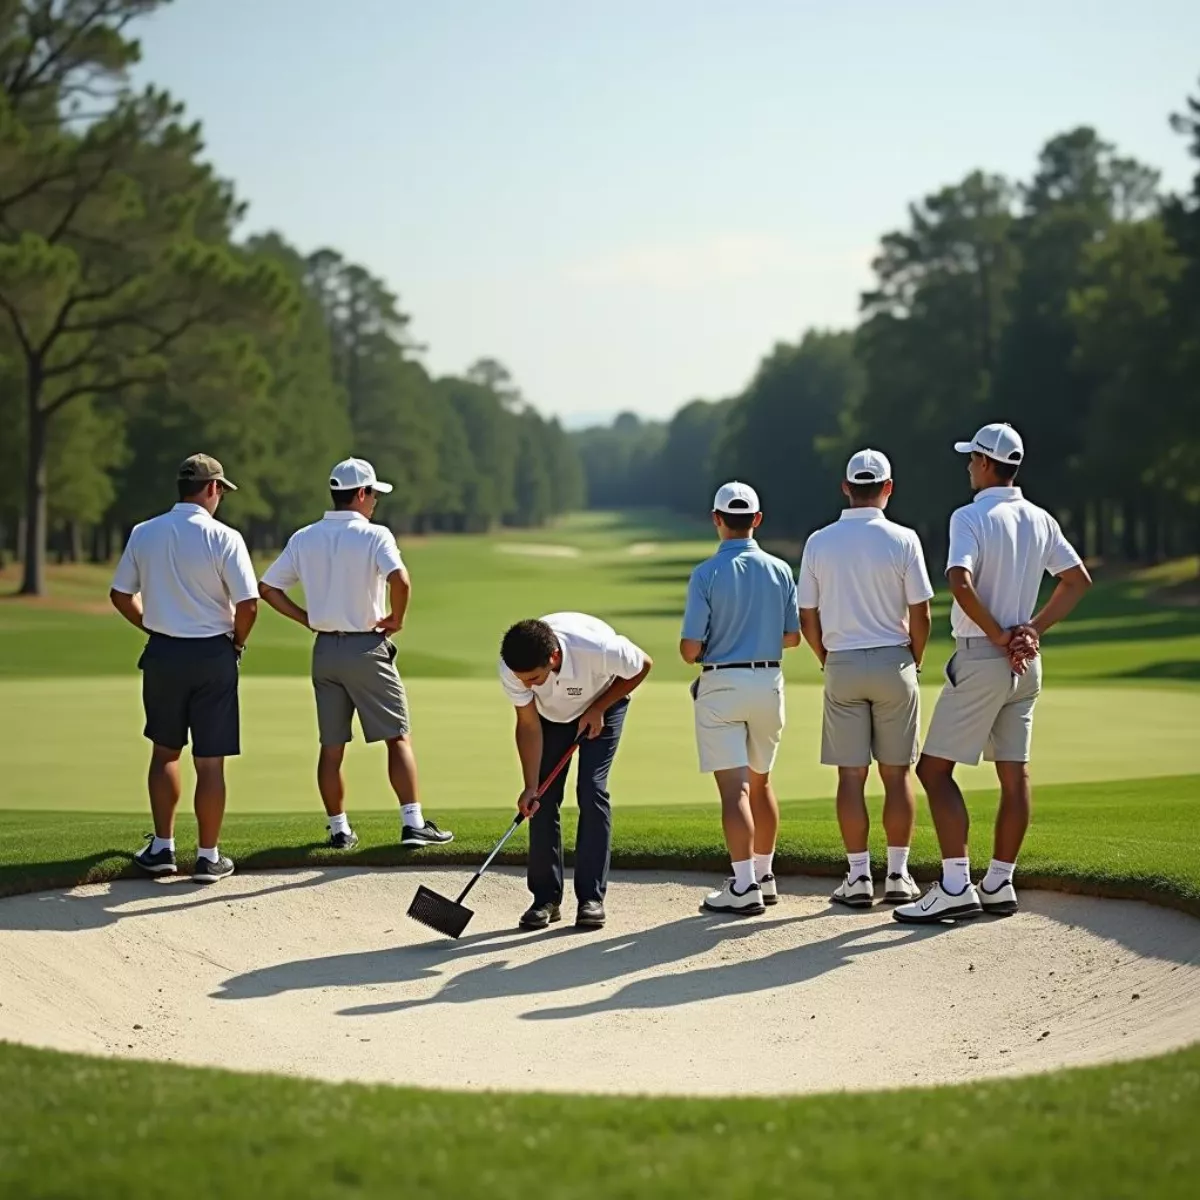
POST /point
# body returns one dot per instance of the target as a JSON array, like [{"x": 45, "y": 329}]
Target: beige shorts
[
  {"x": 984, "y": 709},
  {"x": 872, "y": 708},
  {"x": 739, "y": 718}
]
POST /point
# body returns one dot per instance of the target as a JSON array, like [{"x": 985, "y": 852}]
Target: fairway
[{"x": 462, "y": 731}]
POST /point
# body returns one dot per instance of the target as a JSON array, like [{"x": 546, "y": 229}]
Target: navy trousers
[{"x": 593, "y": 843}]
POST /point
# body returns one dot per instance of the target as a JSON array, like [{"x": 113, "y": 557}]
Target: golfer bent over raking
[{"x": 568, "y": 675}]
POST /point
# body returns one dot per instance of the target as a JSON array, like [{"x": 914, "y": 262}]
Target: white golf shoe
[
  {"x": 857, "y": 893},
  {"x": 748, "y": 903},
  {"x": 770, "y": 892},
  {"x": 900, "y": 889},
  {"x": 940, "y": 905},
  {"x": 1000, "y": 903}
]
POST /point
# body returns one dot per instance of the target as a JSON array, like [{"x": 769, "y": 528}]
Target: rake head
[{"x": 445, "y": 916}]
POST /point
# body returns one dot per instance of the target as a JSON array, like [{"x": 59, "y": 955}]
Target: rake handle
[{"x": 542, "y": 787}]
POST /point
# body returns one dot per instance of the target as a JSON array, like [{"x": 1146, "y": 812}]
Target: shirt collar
[
  {"x": 733, "y": 545},
  {"x": 998, "y": 493},
  {"x": 191, "y": 508},
  {"x": 860, "y": 514},
  {"x": 341, "y": 514}
]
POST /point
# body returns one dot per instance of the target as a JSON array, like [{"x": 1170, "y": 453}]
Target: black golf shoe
[
  {"x": 590, "y": 915},
  {"x": 413, "y": 838},
  {"x": 538, "y": 916},
  {"x": 162, "y": 863}
]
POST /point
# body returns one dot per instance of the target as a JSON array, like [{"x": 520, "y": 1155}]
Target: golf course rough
[{"x": 319, "y": 974}]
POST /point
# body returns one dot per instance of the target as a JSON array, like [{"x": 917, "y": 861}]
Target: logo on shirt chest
[{"x": 574, "y": 691}]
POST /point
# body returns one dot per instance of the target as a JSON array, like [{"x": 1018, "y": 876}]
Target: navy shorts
[{"x": 190, "y": 686}]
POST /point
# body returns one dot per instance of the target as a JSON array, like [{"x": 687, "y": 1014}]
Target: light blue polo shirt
[{"x": 740, "y": 603}]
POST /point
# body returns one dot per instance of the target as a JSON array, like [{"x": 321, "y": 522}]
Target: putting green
[{"x": 75, "y": 744}]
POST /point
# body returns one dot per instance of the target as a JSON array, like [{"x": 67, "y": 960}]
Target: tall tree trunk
[
  {"x": 1129, "y": 524},
  {"x": 74, "y": 541},
  {"x": 34, "y": 581}
]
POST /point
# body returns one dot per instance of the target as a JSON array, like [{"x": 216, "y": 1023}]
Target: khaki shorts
[
  {"x": 984, "y": 709},
  {"x": 739, "y": 718},
  {"x": 872, "y": 707},
  {"x": 356, "y": 672}
]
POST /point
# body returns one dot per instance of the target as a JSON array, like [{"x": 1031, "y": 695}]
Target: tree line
[
  {"x": 137, "y": 328},
  {"x": 1067, "y": 304}
]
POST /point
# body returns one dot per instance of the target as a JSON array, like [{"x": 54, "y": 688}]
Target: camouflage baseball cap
[{"x": 203, "y": 468}]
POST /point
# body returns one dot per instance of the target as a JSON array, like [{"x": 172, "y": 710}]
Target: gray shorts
[
  {"x": 356, "y": 672},
  {"x": 984, "y": 709},
  {"x": 872, "y": 708}
]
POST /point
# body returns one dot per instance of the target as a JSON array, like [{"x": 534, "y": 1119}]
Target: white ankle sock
[
  {"x": 897, "y": 860},
  {"x": 860, "y": 865},
  {"x": 743, "y": 874},
  {"x": 339, "y": 823},
  {"x": 998, "y": 873},
  {"x": 161, "y": 844},
  {"x": 956, "y": 874},
  {"x": 763, "y": 864},
  {"x": 410, "y": 814},
  {"x": 208, "y": 852}
]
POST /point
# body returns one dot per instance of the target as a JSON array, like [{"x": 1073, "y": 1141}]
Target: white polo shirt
[
  {"x": 190, "y": 570},
  {"x": 861, "y": 574},
  {"x": 342, "y": 561},
  {"x": 1007, "y": 544},
  {"x": 593, "y": 655}
]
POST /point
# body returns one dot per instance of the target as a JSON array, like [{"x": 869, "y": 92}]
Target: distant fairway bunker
[{"x": 318, "y": 973}]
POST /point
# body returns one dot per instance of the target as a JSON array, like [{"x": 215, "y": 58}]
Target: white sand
[{"x": 320, "y": 973}]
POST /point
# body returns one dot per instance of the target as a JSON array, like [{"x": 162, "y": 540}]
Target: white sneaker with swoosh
[{"x": 940, "y": 905}]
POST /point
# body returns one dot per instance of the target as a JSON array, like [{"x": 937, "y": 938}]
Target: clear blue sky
[{"x": 629, "y": 201}]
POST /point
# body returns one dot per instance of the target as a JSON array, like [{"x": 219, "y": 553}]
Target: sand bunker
[{"x": 319, "y": 973}]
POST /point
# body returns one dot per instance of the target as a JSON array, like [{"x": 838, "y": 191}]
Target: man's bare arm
[
  {"x": 283, "y": 604},
  {"x": 130, "y": 607},
  {"x": 962, "y": 587},
  {"x": 919, "y": 625},
  {"x": 245, "y": 613},
  {"x": 1068, "y": 591},
  {"x": 810, "y": 629},
  {"x": 690, "y": 650},
  {"x": 400, "y": 594}
]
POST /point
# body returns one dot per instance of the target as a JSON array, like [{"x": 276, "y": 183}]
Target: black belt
[{"x": 742, "y": 666}]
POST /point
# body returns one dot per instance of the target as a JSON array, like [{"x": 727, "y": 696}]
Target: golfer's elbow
[
  {"x": 690, "y": 650},
  {"x": 792, "y": 640}
]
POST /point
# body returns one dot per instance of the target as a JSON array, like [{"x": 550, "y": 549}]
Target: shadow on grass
[{"x": 1185, "y": 669}]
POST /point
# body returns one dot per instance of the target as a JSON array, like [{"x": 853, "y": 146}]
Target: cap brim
[
  {"x": 227, "y": 483},
  {"x": 965, "y": 447},
  {"x": 382, "y": 487}
]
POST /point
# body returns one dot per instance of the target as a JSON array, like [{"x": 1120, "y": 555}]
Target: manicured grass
[
  {"x": 630, "y": 570},
  {"x": 73, "y": 1126},
  {"x": 77, "y": 744},
  {"x": 1131, "y": 838}
]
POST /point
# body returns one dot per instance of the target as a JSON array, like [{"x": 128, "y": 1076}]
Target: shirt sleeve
[
  {"x": 964, "y": 542},
  {"x": 1060, "y": 554},
  {"x": 237, "y": 571},
  {"x": 622, "y": 658},
  {"x": 514, "y": 689},
  {"x": 283, "y": 573},
  {"x": 917, "y": 587},
  {"x": 697, "y": 612},
  {"x": 127, "y": 578},
  {"x": 387, "y": 554},
  {"x": 810, "y": 587},
  {"x": 791, "y": 616}
]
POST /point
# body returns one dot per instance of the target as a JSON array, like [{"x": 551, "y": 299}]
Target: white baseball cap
[
  {"x": 999, "y": 441},
  {"x": 869, "y": 466},
  {"x": 354, "y": 473},
  {"x": 736, "y": 498}
]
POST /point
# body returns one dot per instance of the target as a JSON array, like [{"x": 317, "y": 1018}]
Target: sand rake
[{"x": 451, "y": 916}]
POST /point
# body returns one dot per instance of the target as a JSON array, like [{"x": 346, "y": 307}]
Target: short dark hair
[
  {"x": 344, "y": 497},
  {"x": 738, "y": 522},
  {"x": 1004, "y": 470},
  {"x": 528, "y": 646},
  {"x": 864, "y": 493},
  {"x": 189, "y": 488}
]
